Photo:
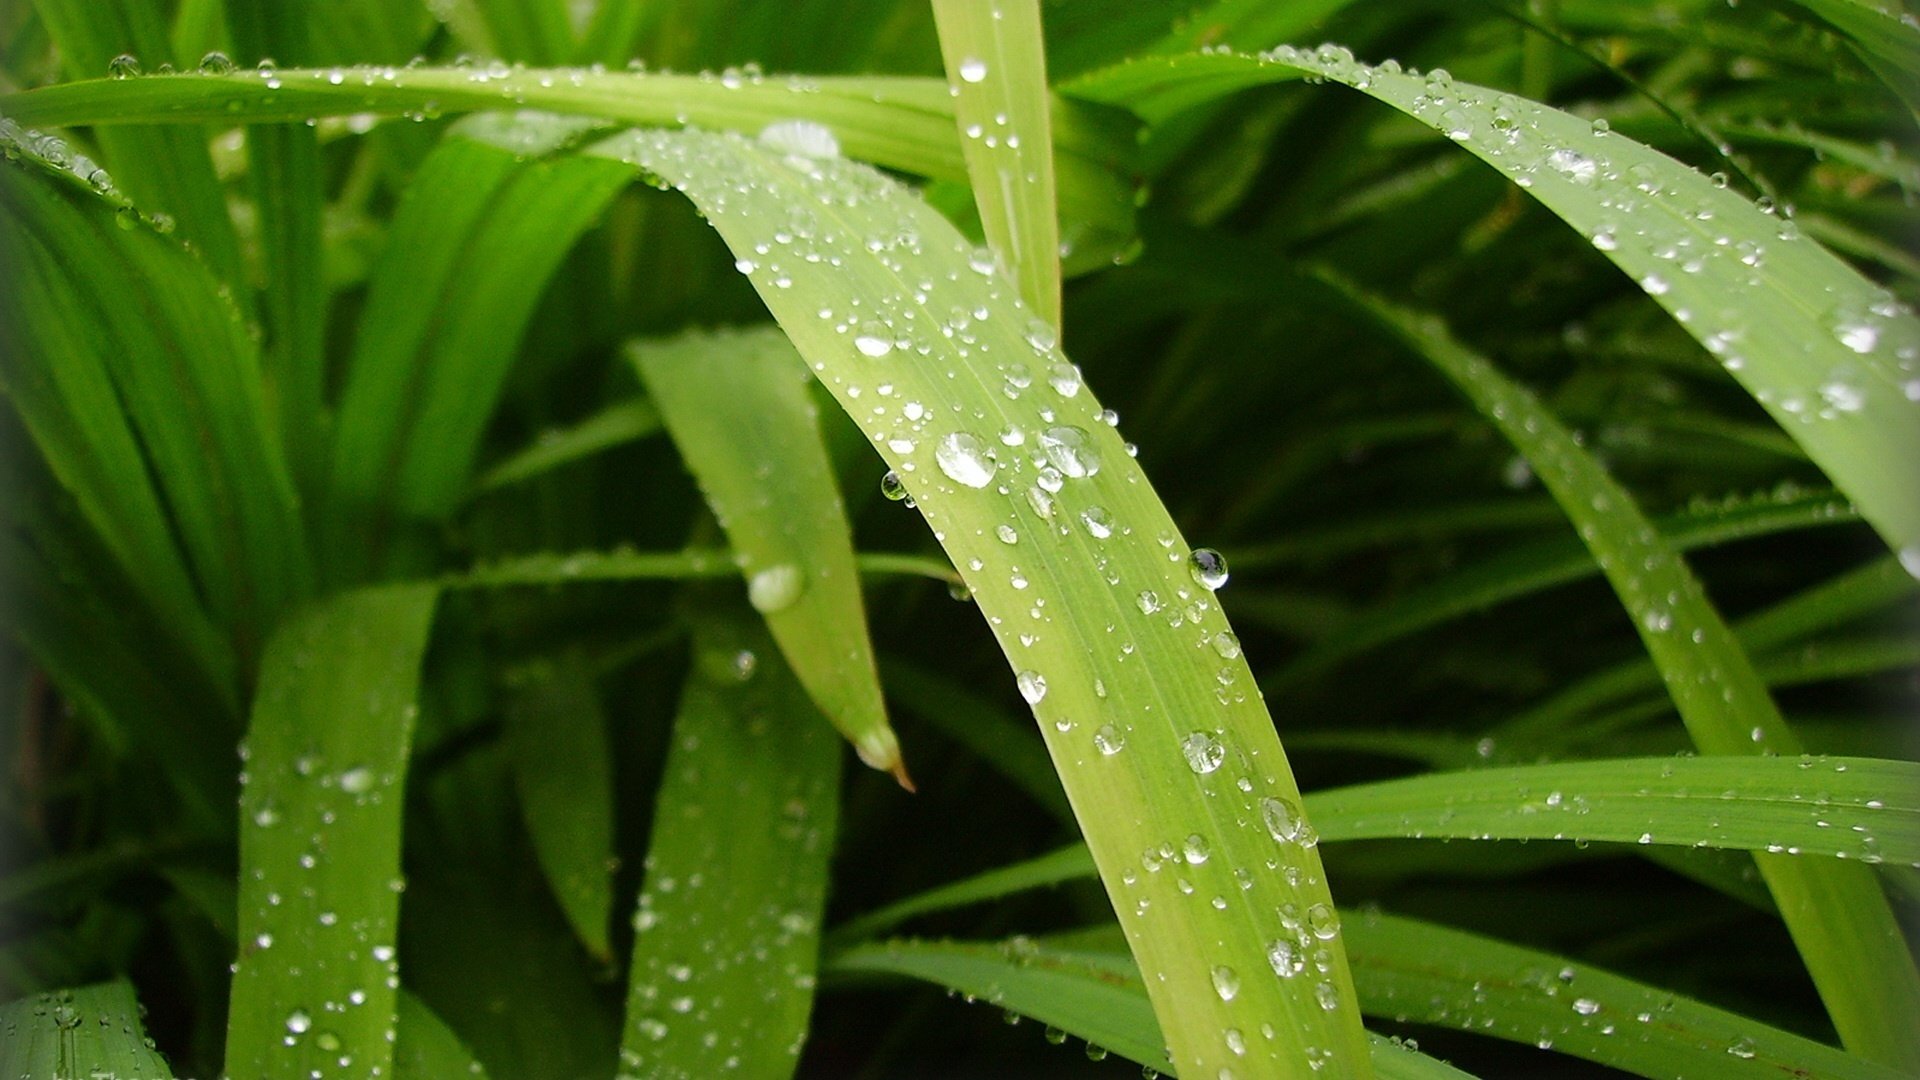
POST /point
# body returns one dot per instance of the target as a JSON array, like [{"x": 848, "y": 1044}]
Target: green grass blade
[
  {"x": 728, "y": 922},
  {"x": 284, "y": 173},
  {"x": 980, "y": 438},
  {"x": 1827, "y": 352},
  {"x": 901, "y": 123},
  {"x": 1854, "y": 808},
  {"x": 997, "y": 69},
  {"x": 90, "y": 1031},
  {"x": 739, "y": 407},
  {"x": 425, "y": 1048},
  {"x": 1549, "y": 563},
  {"x": 1095, "y": 997},
  {"x": 619, "y": 565},
  {"x": 424, "y": 377},
  {"x": 134, "y": 364},
  {"x": 1070, "y": 863},
  {"x": 616, "y": 425},
  {"x": 1002, "y": 740},
  {"x": 164, "y": 171},
  {"x": 320, "y": 835},
  {"x": 1840, "y": 920},
  {"x": 563, "y": 774}
]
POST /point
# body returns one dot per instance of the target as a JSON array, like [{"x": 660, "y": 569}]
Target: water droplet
[
  {"x": 1196, "y": 849},
  {"x": 965, "y": 459},
  {"x": 1322, "y": 922},
  {"x": 892, "y": 487},
  {"x": 1742, "y": 1048},
  {"x": 1033, "y": 686},
  {"x": 1226, "y": 645},
  {"x": 973, "y": 69},
  {"x": 1098, "y": 521},
  {"x": 1148, "y": 601},
  {"x": 1203, "y": 752},
  {"x": 1284, "y": 958},
  {"x": 1109, "y": 740},
  {"x": 873, "y": 340},
  {"x": 1041, "y": 335},
  {"x": 1586, "y": 1006},
  {"x": 1282, "y": 819},
  {"x": 775, "y": 588},
  {"x": 1573, "y": 165},
  {"x": 298, "y": 1021},
  {"x": 216, "y": 63},
  {"x": 1208, "y": 567},
  {"x": 357, "y": 781},
  {"x": 1225, "y": 982},
  {"x": 801, "y": 139},
  {"x": 1007, "y": 534},
  {"x": 1070, "y": 450},
  {"x": 124, "y": 66}
]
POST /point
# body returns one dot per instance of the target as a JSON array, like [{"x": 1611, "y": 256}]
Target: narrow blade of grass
[
  {"x": 1839, "y": 918},
  {"x": 738, "y": 406},
  {"x": 1002, "y": 740},
  {"x": 1826, "y": 351},
  {"x": 164, "y": 171},
  {"x": 901, "y": 123},
  {"x": 320, "y": 835},
  {"x": 616, "y": 425},
  {"x": 89, "y": 1031},
  {"x": 425, "y": 1048},
  {"x": 997, "y": 69},
  {"x": 617, "y": 565},
  {"x": 1095, "y": 997},
  {"x": 424, "y": 376},
  {"x": 1036, "y": 499},
  {"x": 557, "y": 740},
  {"x": 728, "y": 921}
]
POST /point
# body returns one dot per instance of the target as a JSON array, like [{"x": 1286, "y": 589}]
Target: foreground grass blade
[
  {"x": 1827, "y": 352},
  {"x": 563, "y": 774},
  {"x": 488, "y": 213},
  {"x": 1104, "y": 613},
  {"x": 901, "y": 123},
  {"x": 93, "y": 1031},
  {"x": 728, "y": 923},
  {"x": 320, "y": 837},
  {"x": 1096, "y": 997},
  {"x": 1840, "y": 920},
  {"x": 739, "y": 408},
  {"x": 129, "y": 362},
  {"x": 997, "y": 67},
  {"x": 166, "y": 172}
]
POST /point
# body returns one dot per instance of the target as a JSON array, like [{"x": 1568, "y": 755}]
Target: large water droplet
[
  {"x": 892, "y": 487},
  {"x": 800, "y": 138},
  {"x": 1225, "y": 982},
  {"x": 965, "y": 459},
  {"x": 775, "y": 588},
  {"x": 973, "y": 69},
  {"x": 1109, "y": 740},
  {"x": 124, "y": 66},
  {"x": 1203, "y": 752},
  {"x": 1208, "y": 567},
  {"x": 1282, "y": 819},
  {"x": 1070, "y": 450},
  {"x": 298, "y": 1021},
  {"x": 1098, "y": 521},
  {"x": 1033, "y": 686}
]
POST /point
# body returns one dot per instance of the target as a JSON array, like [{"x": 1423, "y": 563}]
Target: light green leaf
[
  {"x": 728, "y": 921},
  {"x": 87, "y": 1032},
  {"x": 320, "y": 835},
  {"x": 1827, "y": 352},
  {"x": 739, "y": 409},
  {"x": 1036, "y": 499},
  {"x": 997, "y": 68},
  {"x": 563, "y": 773}
]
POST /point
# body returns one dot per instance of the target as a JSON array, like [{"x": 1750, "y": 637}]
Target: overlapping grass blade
[
  {"x": 1827, "y": 352},
  {"x": 1098, "y": 604},
  {"x": 728, "y": 921},
  {"x": 1840, "y": 920},
  {"x": 619, "y": 565},
  {"x": 89, "y": 1031},
  {"x": 284, "y": 174},
  {"x": 139, "y": 384},
  {"x": 425, "y": 1048},
  {"x": 997, "y": 68},
  {"x": 901, "y": 123},
  {"x": 999, "y": 738},
  {"x": 537, "y": 31},
  {"x": 739, "y": 408},
  {"x": 563, "y": 774},
  {"x": 320, "y": 835},
  {"x": 489, "y": 214},
  {"x": 167, "y": 172},
  {"x": 615, "y": 425},
  {"x": 1096, "y": 997}
]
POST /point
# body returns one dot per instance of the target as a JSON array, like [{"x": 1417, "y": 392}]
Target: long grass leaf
[
  {"x": 963, "y": 715},
  {"x": 1827, "y": 352},
  {"x": 320, "y": 835},
  {"x": 615, "y": 425},
  {"x": 998, "y": 71},
  {"x": 89, "y": 1031},
  {"x": 728, "y": 921},
  {"x": 738, "y": 406},
  {"x": 425, "y": 1048},
  {"x": 618, "y": 565},
  {"x": 901, "y": 123},
  {"x": 1104, "y": 613}
]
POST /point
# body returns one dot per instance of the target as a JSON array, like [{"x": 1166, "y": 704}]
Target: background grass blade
[
  {"x": 425, "y": 1048},
  {"x": 728, "y": 922},
  {"x": 562, "y": 771},
  {"x": 997, "y": 68},
  {"x": 980, "y": 444},
  {"x": 320, "y": 835},
  {"x": 90, "y": 1031},
  {"x": 165, "y": 172},
  {"x": 615, "y": 425},
  {"x": 738, "y": 406},
  {"x": 424, "y": 378},
  {"x": 1826, "y": 352}
]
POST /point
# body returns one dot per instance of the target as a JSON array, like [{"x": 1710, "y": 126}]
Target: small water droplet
[
  {"x": 1225, "y": 982},
  {"x": 298, "y": 1021},
  {"x": 1069, "y": 449},
  {"x": 892, "y": 487},
  {"x": 124, "y": 66},
  {"x": 973, "y": 69},
  {"x": 1203, "y": 752},
  {"x": 1033, "y": 686},
  {"x": 1109, "y": 740},
  {"x": 1098, "y": 521},
  {"x": 775, "y": 588}
]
